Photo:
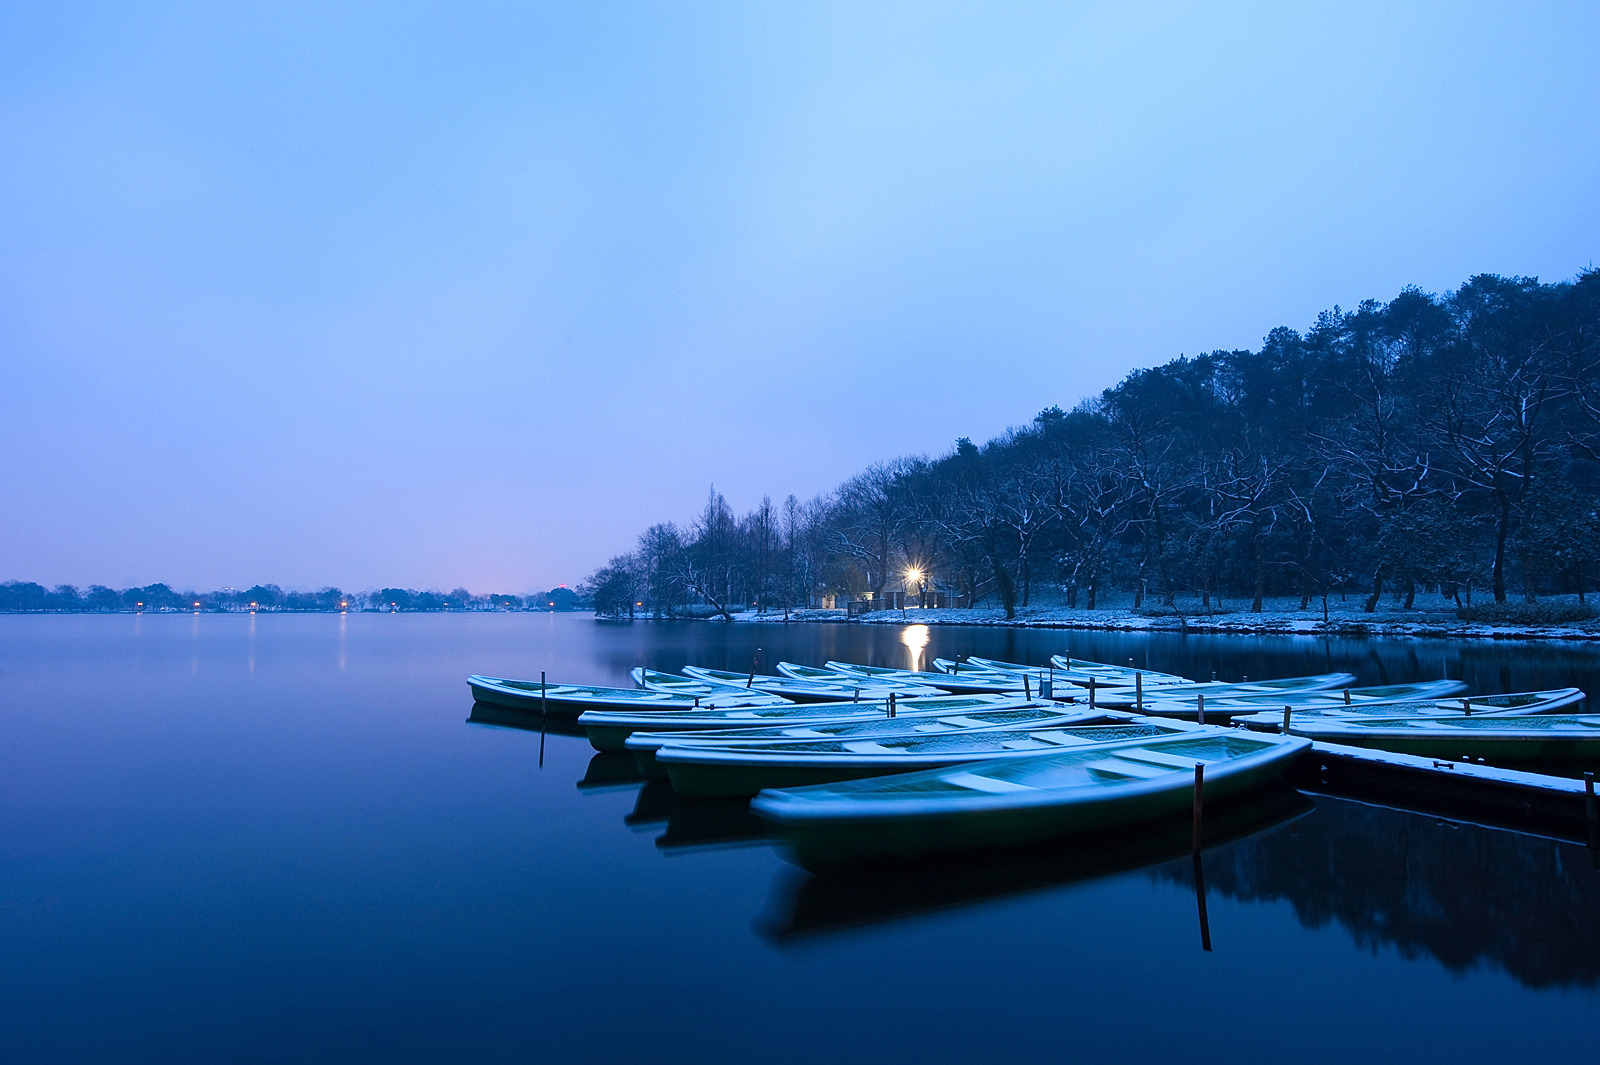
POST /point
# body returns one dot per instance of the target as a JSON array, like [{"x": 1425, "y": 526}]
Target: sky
[{"x": 469, "y": 294}]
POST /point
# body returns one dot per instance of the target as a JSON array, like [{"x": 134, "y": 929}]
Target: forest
[{"x": 1435, "y": 444}]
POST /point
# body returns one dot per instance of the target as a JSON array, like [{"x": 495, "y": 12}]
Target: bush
[{"x": 1529, "y": 613}]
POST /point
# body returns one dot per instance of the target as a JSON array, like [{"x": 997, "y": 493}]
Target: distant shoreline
[{"x": 1414, "y": 624}]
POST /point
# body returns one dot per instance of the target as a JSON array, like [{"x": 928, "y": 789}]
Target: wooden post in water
[
  {"x": 1200, "y": 902},
  {"x": 1199, "y": 800},
  {"x": 891, "y": 704},
  {"x": 1200, "y": 709},
  {"x": 1026, "y": 694},
  {"x": 1138, "y": 692},
  {"x": 1466, "y": 706},
  {"x": 1091, "y": 693},
  {"x": 1347, "y": 697},
  {"x": 1286, "y": 711}
]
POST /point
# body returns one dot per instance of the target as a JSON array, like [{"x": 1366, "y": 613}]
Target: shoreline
[{"x": 1268, "y": 623}]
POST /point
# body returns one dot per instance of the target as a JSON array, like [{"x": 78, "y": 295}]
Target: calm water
[{"x": 279, "y": 839}]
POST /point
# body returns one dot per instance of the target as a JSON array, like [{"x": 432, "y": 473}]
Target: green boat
[
  {"x": 645, "y": 744},
  {"x": 1021, "y": 801},
  {"x": 564, "y": 703},
  {"x": 694, "y": 687},
  {"x": 963, "y": 683},
  {"x": 1540, "y": 737},
  {"x": 608, "y": 730},
  {"x": 803, "y": 691},
  {"x": 1517, "y": 704},
  {"x": 707, "y": 771},
  {"x": 1224, "y": 707}
]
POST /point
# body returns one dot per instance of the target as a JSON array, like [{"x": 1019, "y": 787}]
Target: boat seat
[
  {"x": 1161, "y": 758},
  {"x": 935, "y": 726},
  {"x": 1119, "y": 768},
  {"x": 1059, "y": 738},
  {"x": 865, "y": 747},
  {"x": 1025, "y": 743},
  {"x": 988, "y": 784}
]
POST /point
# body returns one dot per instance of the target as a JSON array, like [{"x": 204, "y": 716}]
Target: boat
[
  {"x": 608, "y": 730},
  {"x": 803, "y": 691},
  {"x": 563, "y": 703},
  {"x": 976, "y": 681},
  {"x": 645, "y": 744},
  {"x": 1225, "y": 706},
  {"x": 677, "y": 684},
  {"x": 1019, "y": 801},
  {"x": 1291, "y": 687},
  {"x": 709, "y": 771},
  {"x": 1537, "y": 737},
  {"x": 1120, "y": 675},
  {"x": 1517, "y": 704},
  {"x": 821, "y": 675}
]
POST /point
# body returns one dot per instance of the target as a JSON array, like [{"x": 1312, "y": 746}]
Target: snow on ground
[{"x": 1284, "y": 620}]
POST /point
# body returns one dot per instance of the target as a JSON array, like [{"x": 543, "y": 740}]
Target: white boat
[
  {"x": 608, "y": 730},
  {"x": 1019, "y": 801},
  {"x": 704, "y": 770},
  {"x": 1223, "y": 707},
  {"x": 1516, "y": 704},
  {"x": 975, "y": 681},
  {"x": 564, "y": 703},
  {"x": 804, "y": 691}
]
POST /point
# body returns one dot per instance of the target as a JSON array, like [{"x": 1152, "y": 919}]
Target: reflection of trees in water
[{"x": 1462, "y": 894}]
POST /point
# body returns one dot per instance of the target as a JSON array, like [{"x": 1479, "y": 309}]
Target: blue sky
[{"x": 470, "y": 293}]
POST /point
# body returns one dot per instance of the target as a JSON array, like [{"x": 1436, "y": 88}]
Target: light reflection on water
[{"x": 285, "y": 844}]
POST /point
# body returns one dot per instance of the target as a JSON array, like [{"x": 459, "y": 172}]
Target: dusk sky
[{"x": 465, "y": 294}]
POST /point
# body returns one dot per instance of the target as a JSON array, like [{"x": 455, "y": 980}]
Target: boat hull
[{"x": 827, "y": 843}]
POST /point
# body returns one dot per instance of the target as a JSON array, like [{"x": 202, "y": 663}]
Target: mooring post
[
  {"x": 1199, "y": 800},
  {"x": 1347, "y": 697},
  {"x": 750, "y": 683},
  {"x": 1091, "y": 693},
  {"x": 543, "y": 718},
  {"x": 856, "y": 698},
  {"x": 1138, "y": 692},
  {"x": 1200, "y": 709},
  {"x": 1026, "y": 694},
  {"x": 1286, "y": 711},
  {"x": 1466, "y": 706},
  {"x": 891, "y": 704}
]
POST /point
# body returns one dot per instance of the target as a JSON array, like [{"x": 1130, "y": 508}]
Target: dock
[{"x": 1559, "y": 808}]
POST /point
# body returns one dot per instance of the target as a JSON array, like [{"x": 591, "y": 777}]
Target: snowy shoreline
[{"x": 1418, "y": 624}]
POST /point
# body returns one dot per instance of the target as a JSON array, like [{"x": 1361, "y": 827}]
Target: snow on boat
[
  {"x": 802, "y": 691},
  {"x": 608, "y": 730},
  {"x": 1019, "y": 801},
  {"x": 1539, "y": 737},
  {"x": 975, "y": 681},
  {"x": 655, "y": 680},
  {"x": 565, "y": 702},
  {"x": 1517, "y": 704},
  {"x": 708, "y": 771},
  {"x": 916, "y": 726},
  {"x": 1119, "y": 675},
  {"x": 822, "y": 675},
  {"x": 1225, "y": 706}
]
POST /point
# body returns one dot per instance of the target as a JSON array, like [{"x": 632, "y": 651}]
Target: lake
[{"x": 279, "y": 838}]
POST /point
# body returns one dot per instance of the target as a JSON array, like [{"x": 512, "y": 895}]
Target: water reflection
[
  {"x": 804, "y": 905},
  {"x": 915, "y": 637},
  {"x": 1461, "y": 894}
]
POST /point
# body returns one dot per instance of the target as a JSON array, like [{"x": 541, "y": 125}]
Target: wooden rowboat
[
  {"x": 565, "y": 702},
  {"x": 1021, "y": 801},
  {"x": 915, "y": 726},
  {"x": 608, "y": 730},
  {"x": 1540, "y": 737},
  {"x": 1225, "y": 707},
  {"x": 802, "y": 691},
  {"x": 702, "y": 770},
  {"x": 1517, "y": 704}
]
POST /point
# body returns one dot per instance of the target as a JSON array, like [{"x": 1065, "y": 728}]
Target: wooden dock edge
[{"x": 1557, "y": 807}]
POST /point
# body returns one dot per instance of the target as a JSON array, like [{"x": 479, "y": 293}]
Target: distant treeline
[
  {"x": 1432, "y": 443},
  {"x": 26, "y": 597}
]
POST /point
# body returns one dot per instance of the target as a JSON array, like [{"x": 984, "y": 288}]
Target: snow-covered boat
[
  {"x": 703, "y": 770},
  {"x": 1516, "y": 704},
  {"x": 803, "y": 691},
  {"x": 565, "y": 702},
  {"x": 645, "y": 744},
  {"x": 1223, "y": 706},
  {"x": 975, "y": 681},
  {"x": 1539, "y": 737},
  {"x": 1019, "y": 801},
  {"x": 609, "y": 729}
]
